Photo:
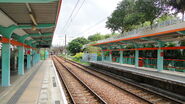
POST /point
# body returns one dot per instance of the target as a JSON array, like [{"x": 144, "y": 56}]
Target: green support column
[
  {"x": 136, "y": 58},
  {"x": 7, "y": 33},
  {"x": 31, "y": 64},
  {"x": 34, "y": 58},
  {"x": 110, "y": 56},
  {"x": 39, "y": 57},
  {"x": 46, "y": 54},
  {"x": 31, "y": 60},
  {"x": 21, "y": 60},
  {"x": 28, "y": 61},
  {"x": 160, "y": 59},
  {"x": 33, "y": 52},
  {"x": 5, "y": 64},
  {"x": 102, "y": 56},
  {"x": 121, "y": 57}
]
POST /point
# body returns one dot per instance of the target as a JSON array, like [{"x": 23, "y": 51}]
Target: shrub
[{"x": 78, "y": 56}]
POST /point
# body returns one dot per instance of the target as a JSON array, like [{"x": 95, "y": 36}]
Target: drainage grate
[
  {"x": 54, "y": 82},
  {"x": 20, "y": 91},
  {"x": 57, "y": 102}
]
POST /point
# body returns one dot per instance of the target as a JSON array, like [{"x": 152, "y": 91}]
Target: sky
[{"x": 88, "y": 18}]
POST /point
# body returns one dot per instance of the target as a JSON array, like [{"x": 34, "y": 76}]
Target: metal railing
[{"x": 169, "y": 64}]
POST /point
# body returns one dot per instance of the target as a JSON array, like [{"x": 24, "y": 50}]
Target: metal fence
[{"x": 169, "y": 64}]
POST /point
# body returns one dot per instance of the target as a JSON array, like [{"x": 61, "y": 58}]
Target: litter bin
[
  {"x": 141, "y": 62},
  {"x": 114, "y": 59}
]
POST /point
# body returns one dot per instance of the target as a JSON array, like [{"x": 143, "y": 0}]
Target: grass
[
  {"x": 74, "y": 59},
  {"x": 79, "y": 61}
]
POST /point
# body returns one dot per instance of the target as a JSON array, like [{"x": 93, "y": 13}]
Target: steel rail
[
  {"x": 64, "y": 82},
  {"x": 114, "y": 84},
  {"x": 86, "y": 86},
  {"x": 125, "y": 81}
]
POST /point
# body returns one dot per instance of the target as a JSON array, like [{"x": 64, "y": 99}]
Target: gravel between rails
[
  {"x": 149, "y": 96},
  {"x": 80, "y": 94},
  {"x": 108, "y": 92}
]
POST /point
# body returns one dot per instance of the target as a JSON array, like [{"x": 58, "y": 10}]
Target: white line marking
[{"x": 60, "y": 87}]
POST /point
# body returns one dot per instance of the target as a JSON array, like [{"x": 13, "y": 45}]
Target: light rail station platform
[
  {"x": 39, "y": 85},
  {"x": 164, "y": 75},
  {"x": 133, "y": 54},
  {"x": 170, "y": 82}
]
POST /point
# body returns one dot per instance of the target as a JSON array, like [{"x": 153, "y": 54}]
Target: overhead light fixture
[
  {"x": 32, "y": 18},
  {"x": 34, "y": 28}
]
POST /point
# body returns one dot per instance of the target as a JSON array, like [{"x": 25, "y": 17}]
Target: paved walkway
[
  {"x": 176, "y": 77},
  {"x": 41, "y": 87}
]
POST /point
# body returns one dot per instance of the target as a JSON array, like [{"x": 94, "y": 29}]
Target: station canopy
[
  {"x": 31, "y": 12},
  {"x": 167, "y": 31}
]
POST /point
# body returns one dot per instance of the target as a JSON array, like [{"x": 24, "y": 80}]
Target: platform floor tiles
[
  {"x": 42, "y": 86},
  {"x": 14, "y": 77}
]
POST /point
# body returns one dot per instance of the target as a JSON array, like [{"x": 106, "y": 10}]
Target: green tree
[
  {"x": 164, "y": 18},
  {"x": 109, "y": 35},
  {"x": 95, "y": 37},
  {"x": 177, "y": 5},
  {"x": 99, "y": 36},
  {"x": 131, "y": 13},
  {"x": 116, "y": 22},
  {"x": 75, "y": 45},
  {"x": 149, "y": 10}
]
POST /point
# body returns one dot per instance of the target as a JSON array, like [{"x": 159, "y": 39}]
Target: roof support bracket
[
  {"x": 160, "y": 43},
  {"x": 8, "y": 31},
  {"x": 181, "y": 32},
  {"x": 133, "y": 43},
  {"x": 150, "y": 39}
]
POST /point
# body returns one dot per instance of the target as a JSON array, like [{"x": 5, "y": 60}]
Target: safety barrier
[{"x": 169, "y": 64}]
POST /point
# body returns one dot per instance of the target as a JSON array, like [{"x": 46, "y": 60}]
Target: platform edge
[{"x": 60, "y": 87}]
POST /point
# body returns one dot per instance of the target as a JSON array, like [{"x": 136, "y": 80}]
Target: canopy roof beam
[
  {"x": 150, "y": 39},
  {"x": 27, "y": 1},
  {"x": 32, "y": 15},
  {"x": 181, "y": 32}
]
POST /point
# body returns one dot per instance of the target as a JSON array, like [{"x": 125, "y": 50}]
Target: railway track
[
  {"x": 78, "y": 91},
  {"x": 130, "y": 87}
]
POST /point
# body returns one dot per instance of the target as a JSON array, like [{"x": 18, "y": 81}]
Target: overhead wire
[
  {"x": 91, "y": 27},
  {"x": 71, "y": 13},
  {"x": 75, "y": 15},
  {"x": 72, "y": 17}
]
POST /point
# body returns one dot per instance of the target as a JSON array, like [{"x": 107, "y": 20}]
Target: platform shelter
[
  {"x": 132, "y": 47},
  {"x": 26, "y": 25}
]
